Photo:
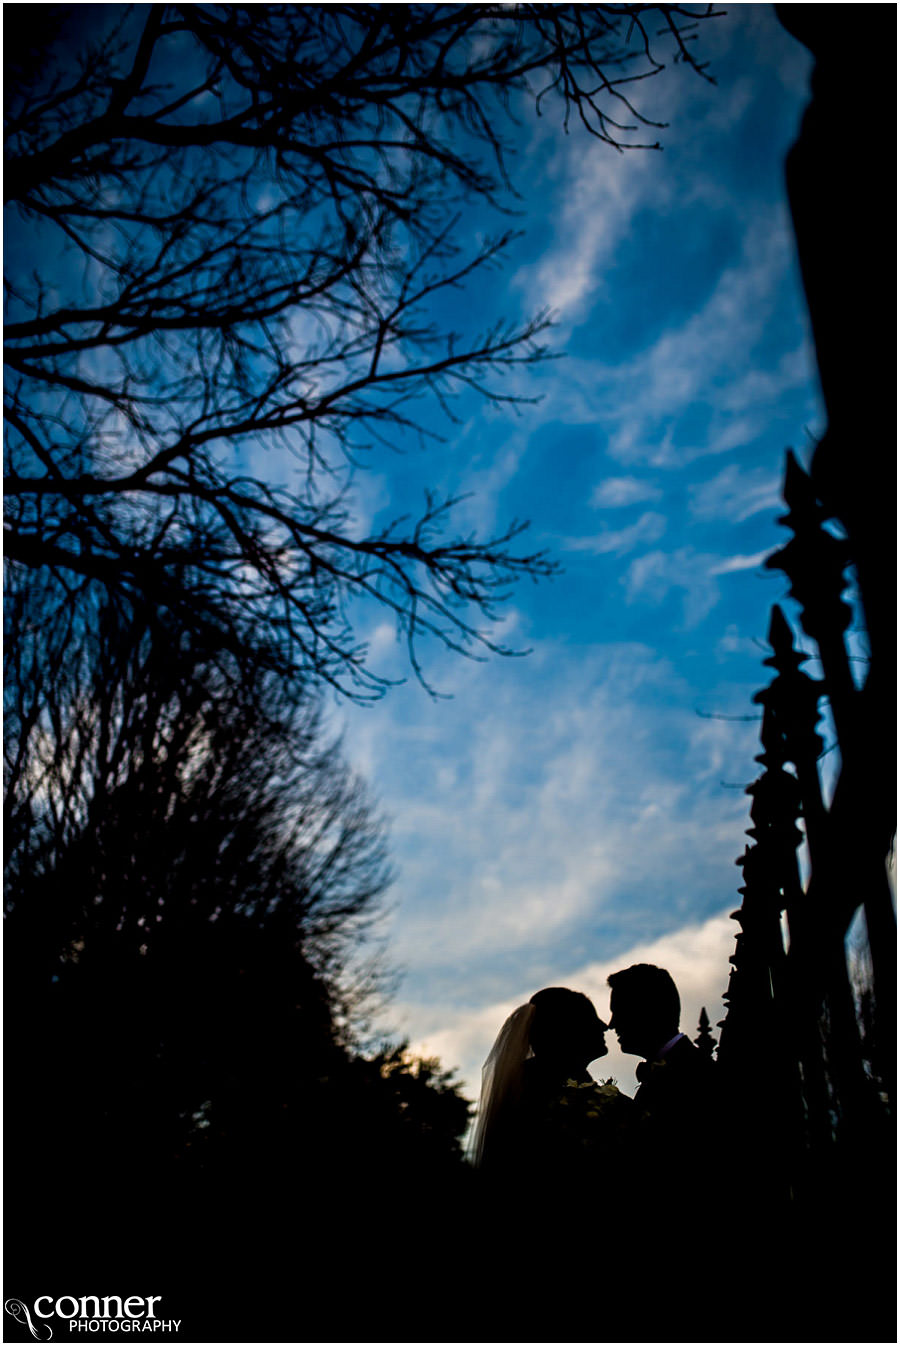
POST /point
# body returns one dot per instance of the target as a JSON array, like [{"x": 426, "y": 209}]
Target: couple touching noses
[{"x": 540, "y": 1107}]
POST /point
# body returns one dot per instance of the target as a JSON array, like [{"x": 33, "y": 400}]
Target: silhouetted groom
[{"x": 677, "y": 1099}]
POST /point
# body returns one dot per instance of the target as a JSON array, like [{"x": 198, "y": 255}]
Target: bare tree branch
[{"x": 252, "y": 253}]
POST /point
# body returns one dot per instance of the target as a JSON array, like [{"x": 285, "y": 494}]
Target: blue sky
[{"x": 565, "y": 814}]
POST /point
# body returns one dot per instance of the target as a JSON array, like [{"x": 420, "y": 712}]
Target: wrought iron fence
[{"x": 820, "y": 1023}]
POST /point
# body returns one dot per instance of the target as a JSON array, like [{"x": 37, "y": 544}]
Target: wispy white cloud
[
  {"x": 765, "y": 386},
  {"x": 700, "y": 365},
  {"x": 600, "y": 193},
  {"x": 614, "y": 492},
  {"x": 648, "y": 528},
  {"x": 653, "y": 576},
  {"x": 733, "y": 642},
  {"x": 650, "y": 578},
  {"x": 730, "y": 564},
  {"x": 553, "y": 807},
  {"x": 712, "y": 740},
  {"x": 736, "y": 493},
  {"x": 700, "y": 389},
  {"x": 599, "y": 199}
]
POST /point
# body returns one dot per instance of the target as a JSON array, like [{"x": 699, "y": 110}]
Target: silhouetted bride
[{"x": 540, "y": 1112}]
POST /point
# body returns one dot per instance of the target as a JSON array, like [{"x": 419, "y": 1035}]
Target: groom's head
[{"x": 645, "y": 1008}]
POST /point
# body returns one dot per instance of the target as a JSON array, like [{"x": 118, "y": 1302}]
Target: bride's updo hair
[{"x": 565, "y": 1023}]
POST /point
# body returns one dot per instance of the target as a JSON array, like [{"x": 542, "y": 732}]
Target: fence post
[
  {"x": 820, "y": 964},
  {"x": 704, "y": 1039},
  {"x": 814, "y": 562}
]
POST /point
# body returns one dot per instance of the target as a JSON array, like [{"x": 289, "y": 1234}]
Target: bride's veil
[{"x": 501, "y": 1083}]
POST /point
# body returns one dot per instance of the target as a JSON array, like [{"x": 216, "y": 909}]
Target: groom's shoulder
[
  {"x": 687, "y": 1060},
  {"x": 687, "y": 1053},
  {"x": 681, "y": 1087},
  {"x": 684, "y": 1069}
]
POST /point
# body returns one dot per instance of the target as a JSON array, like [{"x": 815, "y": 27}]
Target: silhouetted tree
[
  {"x": 119, "y": 727},
  {"x": 186, "y": 919},
  {"x": 227, "y": 230}
]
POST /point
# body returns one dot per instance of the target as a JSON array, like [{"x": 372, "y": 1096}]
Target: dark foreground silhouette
[{"x": 310, "y": 1210}]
